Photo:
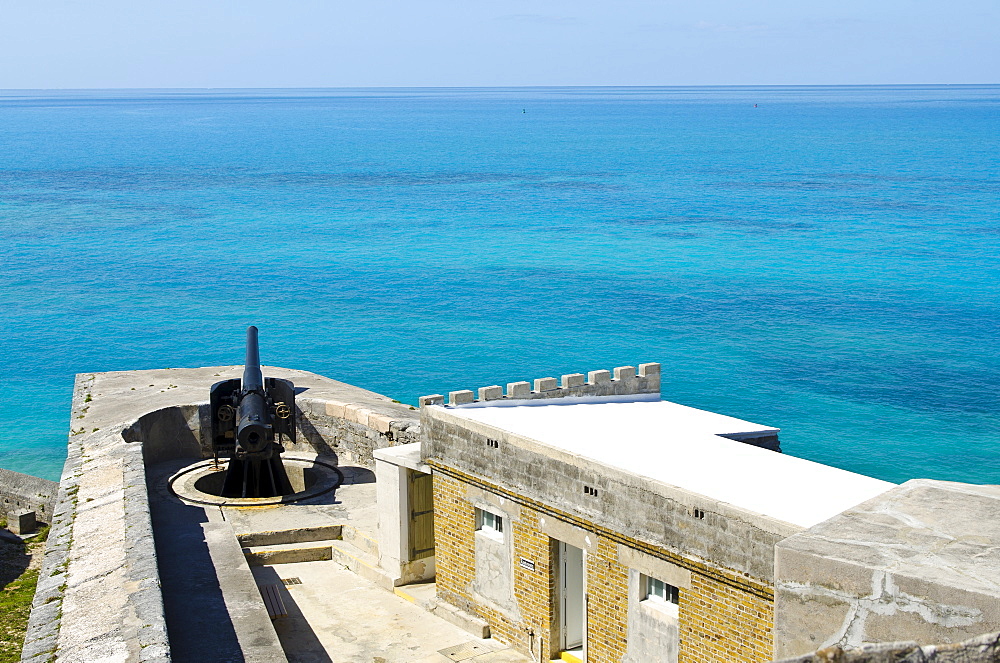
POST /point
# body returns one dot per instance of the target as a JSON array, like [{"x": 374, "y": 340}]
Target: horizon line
[{"x": 507, "y": 87}]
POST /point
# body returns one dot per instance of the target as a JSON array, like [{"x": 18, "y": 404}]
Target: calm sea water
[{"x": 824, "y": 260}]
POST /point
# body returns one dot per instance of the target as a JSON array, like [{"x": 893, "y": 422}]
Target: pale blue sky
[{"x": 317, "y": 43}]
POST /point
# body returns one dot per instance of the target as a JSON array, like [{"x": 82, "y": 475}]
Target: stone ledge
[{"x": 983, "y": 649}]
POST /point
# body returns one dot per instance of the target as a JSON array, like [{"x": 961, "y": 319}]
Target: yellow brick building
[{"x": 615, "y": 527}]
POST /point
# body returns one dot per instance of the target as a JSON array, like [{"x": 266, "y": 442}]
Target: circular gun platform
[{"x": 201, "y": 483}]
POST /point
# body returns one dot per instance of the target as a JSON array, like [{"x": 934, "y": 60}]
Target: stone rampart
[
  {"x": 99, "y": 595},
  {"x": 623, "y": 382},
  {"x": 23, "y": 492},
  {"x": 919, "y": 562}
]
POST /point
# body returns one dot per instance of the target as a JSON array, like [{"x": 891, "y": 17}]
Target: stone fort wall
[
  {"x": 23, "y": 492},
  {"x": 982, "y": 649}
]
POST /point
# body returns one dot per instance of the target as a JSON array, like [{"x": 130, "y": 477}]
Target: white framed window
[
  {"x": 659, "y": 594},
  {"x": 489, "y": 523}
]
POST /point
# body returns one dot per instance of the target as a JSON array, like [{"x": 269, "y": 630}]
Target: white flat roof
[{"x": 680, "y": 446}]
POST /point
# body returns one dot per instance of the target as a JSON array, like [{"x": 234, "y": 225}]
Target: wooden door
[{"x": 421, "y": 498}]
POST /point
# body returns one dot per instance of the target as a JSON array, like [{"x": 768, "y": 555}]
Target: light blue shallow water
[{"x": 825, "y": 262}]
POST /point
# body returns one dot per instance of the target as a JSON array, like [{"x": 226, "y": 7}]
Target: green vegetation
[
  {"x": 15, "y": 601},
  {"x": 15, "y": 606}
]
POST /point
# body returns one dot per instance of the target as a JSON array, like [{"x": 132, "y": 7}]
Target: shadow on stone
[
  {"x": 357, "y": 475},
  {"x": 297, "y": 638},
  {"x": 314, "y": 437},
  {"x": 198, "y": 622},
  {"x": 13, "y": 559}
]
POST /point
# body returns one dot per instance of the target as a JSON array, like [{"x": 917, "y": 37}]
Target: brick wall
[
  {"x": 607, "y": 607},
  {"x": 724, "y": 616},
  {"x": 726, "y": 619}
]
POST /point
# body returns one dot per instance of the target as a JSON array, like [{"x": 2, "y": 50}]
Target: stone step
[
  {"x": 360, "y": 539},
  {"x": 424, "y": 595},
  {"x": 361, "y": 562},
  {"x": 297, "y": 535},
  {"x": 289, "y": 553}
]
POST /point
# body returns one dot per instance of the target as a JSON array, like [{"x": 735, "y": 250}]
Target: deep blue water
[{"x": 825, "y": 262}]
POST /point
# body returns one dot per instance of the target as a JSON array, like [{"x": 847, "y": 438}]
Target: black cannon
[{"x": 247, "y": 416}]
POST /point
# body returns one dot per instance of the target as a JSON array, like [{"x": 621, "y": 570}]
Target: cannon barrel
[
  {"x": 253, "y": 379},
  {"x": 253, "y": 426},
  {"x": 247, "y": 416}
]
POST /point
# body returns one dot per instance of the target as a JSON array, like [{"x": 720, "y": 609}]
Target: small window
[
  {"x": 489, "y": 522},
  {"x": 657, "y": 590}
]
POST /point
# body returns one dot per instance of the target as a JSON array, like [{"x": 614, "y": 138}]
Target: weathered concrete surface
[
  {"x": 335, "y": 615},
  {"x": 23, "y": 492},
  {"x": 212, "y": 610},
  {"x": 98, "y": 595},
  {"x": 494, "y": 581},
  {"x": 352, "y": 504},
  {"x": 653, "y": 631},
  {"x": 920, "y": 562},
  {"x": 983, "y": 649}
]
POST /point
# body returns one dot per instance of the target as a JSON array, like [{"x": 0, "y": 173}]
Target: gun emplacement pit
[{"x": 202, "y": 482}]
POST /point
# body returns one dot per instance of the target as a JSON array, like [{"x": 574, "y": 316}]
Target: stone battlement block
[
  {"x": 490, "y": 393},
  {"x": 598, "y": 377},
  {"x": 649, "y": 370},
  {"x": 461, "y": 397},
  {"x": 546, "y": 384},
  {"x": 572, "y": 380},
  {"x": 433, "y": 399},
  {"x": 518, "y": 389},
  {"x": 624, "y": 372}
]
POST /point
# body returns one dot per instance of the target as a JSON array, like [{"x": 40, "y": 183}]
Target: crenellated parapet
[{"x": 623, "y": 381}]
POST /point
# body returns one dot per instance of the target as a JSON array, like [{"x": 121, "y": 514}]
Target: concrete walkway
[{"x": 335, "y": 616}]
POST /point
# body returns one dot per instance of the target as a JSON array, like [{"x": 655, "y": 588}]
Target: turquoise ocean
[{"x": 820, "y": 259}]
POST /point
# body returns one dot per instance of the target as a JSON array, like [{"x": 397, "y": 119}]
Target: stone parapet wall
[
  {"x": 353, "y": 431},
  {"x": 982, "y": 649},
  {"x": 723, "y": 615},
  {"x": 918, "y": 563},
  {"x": 622, "y": 382},
  {"x": 98, "y": 595},
  {"x": 23, "y": 492}
]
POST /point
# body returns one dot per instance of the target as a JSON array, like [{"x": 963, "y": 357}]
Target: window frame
[
  {"x": 490, "y": 523},
  {"x": 660, "y": 595}
]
